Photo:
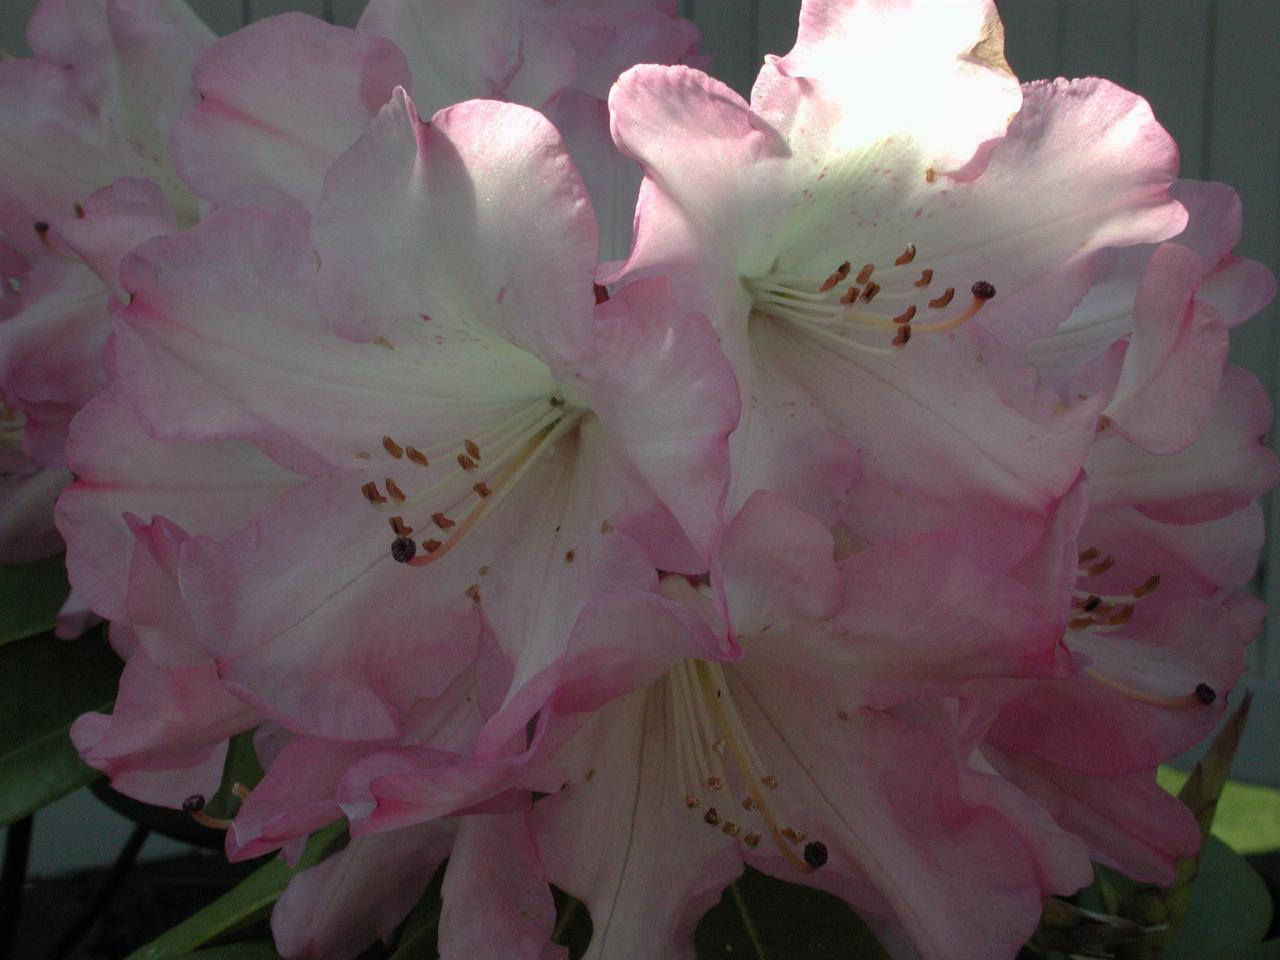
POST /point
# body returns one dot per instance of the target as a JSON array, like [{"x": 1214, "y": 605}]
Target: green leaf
[
  {"x": 761, "y": 918},
  {"x": 1263, "y": 951},
  {"x": 44, "y": 685},
  {"x": 250, "y": 900},
  {"x": 31, "y": 594},
  {"x": 1229, "y": 911},
  {"x": 418, "y": 935},
  {"x": 241, "y": 769},
  {"x": 244, "y": 950}
]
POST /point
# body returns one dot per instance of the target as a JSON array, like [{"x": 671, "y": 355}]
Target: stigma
[
  {"x": 840, "y": 303},
  {"x": 448, "y": 487},
  {"x": 723, "y": 779}
]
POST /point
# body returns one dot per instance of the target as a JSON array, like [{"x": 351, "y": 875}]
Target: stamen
[
  {"x": 869, "y": 292},
  {"x": 392, "y": 447},
  {"x": 371, "y": 493},
  {"x": 850, "y": 295},
  {"x": 906, "y": 256},
  {"x": 465, "y": 462},
  {"x": 1203, "y": 695},
  {"x": 441, "y": 521},
  {"x": 1087, "y": 556},
  {"x": 482, "y": 489},
  {"x": 431, "y": 546},
  {"x": 841, "y": 272},
  {"x": 401, "y": 528},
  {"x": 396, "y": 493},
  {"x": 906, "y": 315},
  {"x": 473, "y": 450},
  {"x": 417, "y": 456},
  {"x": 926, "y": 278},
  {"x": 903, "y": 336},
  {"x": 938, "y": 302},
  {"x": 865, "y": 273}
]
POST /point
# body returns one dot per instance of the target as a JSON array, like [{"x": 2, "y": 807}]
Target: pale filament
[{"x": 707, "y": 726}]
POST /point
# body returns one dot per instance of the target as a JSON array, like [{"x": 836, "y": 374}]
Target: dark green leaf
[
  {"x": 1263, "y": 951},
  {"x": 31, "y": 594},
  {"x": 1229, "y": 911},
  {"x": 245, "y": 950},
  {"x": 44, "y": 685},
  {"x": 248, "y": 901},
  {"x": 760, "y": 918},
  {"x": 242, "y": 770},
  {"x": 417, "y": 939}
]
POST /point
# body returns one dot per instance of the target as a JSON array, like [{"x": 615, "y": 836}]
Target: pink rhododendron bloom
[
  {"x": 863, "y": 245},
  {"x": 825, "y": 753},
  {"x": 90, "y": 108},
  {"x": 283, "y": 97}
]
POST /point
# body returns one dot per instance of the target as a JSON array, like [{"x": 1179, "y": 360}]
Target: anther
[
  {"x": 392, "y": 447},
  {"x": 401, "y": 528},
  {"x": 869, "y": 292},
  {"x": 79, "y": 211},
  {"x": 403, "y": 549},
  {"x": 748, "y": 803},
  {"x": 482, "y": 489},
  {"x": 396, "y": 493},
  {"x": 712, "y": 816},
  {"x": 865, "y": 273},
  {"x": 1101, "y": 567},
  {"x": 472, "y": 448},
  {"x": 1147, "y": 587},
  {"x": 730, "y": 828},
  {"x": 372, "y": 494},
  {"x": 715, "y": 783},
  {"x": 815, "y": 853},
  {"x": 691, "y": 801},
  {"x": 906, "y": 315},
  {"x": 568, "y": 556},
  {"x": 441, "y": 521},
  {"x": 850, "y": 295},
  {"x": 930, "y": 175},
  {"x": 906, "y": 256},
  {"x": 839, "y": 276},
  {"x": 1121, "y": 616},
  {"x": 752, "y": 840},
  {"x": 794, "y": 835},
  {"x": 473, "y": 593},
  {"x": 1086, "y": 556},
  {"x": 194, "y": 803},
  {"x": 940, "y": 301},
  {"x": 465, "y": 462},
  {"x": 770, "y": 781},
  {"x": 1205, "y": 693},
  {"x": 1091, "y": 603},
  {"x": 431, "y": 546},
  {"x": 926, "y": 278},
  {"x": 417, "y": 456},
  {"x": 903, "y": 335},
  {"x": 1080, "y": 623},
  {"x": 983, "y": 290}
]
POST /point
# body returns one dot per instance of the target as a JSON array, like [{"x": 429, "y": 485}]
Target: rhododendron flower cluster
[{"x": 566, "y": 467}]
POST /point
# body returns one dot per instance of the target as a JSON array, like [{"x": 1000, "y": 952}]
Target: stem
[
  {"x": 17, "y": 851},
  {"x": 109, "y": 887}
]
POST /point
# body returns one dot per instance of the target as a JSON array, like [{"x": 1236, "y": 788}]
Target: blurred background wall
[{"x": 1209, "y": 69}]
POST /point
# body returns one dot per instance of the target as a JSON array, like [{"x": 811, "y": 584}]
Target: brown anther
[
  {"x": 770, "y": 781},
  {"x": 840, "y": 274},
  {"x": 850, "y": 295},
  {"x": 1147, "y": 587},
  {"x": 431, "y": 546},
  {"x": 1103, "y": 423},
  {"x": 842, "y": 715},
  {"x": 1080, "y": 623},
  {"x": 590, "y": 775},
  {"x": 372, "y": 494},
  {"x": 795, "y": 836},
  {"x": 605, "y": 526},
  {"x": 940, "y": 301},
  {"x": 473, "y": 593},
  {"x": 1085, "y": 556},
  {"x": 865, "y": 273},
  {"x": 902, "y": 336},
  {"x": 719, "y": 747},
  {"x": 79, "y": 211},
  {"x": 906, "y": 315},
  {"x": 384, "y": 343},
  {"x": 691, "y": 801},
  {"x": 906, "y": 256},
  {"x": 715, "y": 783},
  {"x": 730, "y": 828},
  {"x": 392, "y": 447},
  {"x": 1101, "y": 567},
  {"x": 568, "y": 556},
  {"x": 983, "y": 290},
  {"x": 712, "y": 816},
  {"x": 401, "y": 528},
  {"x": 465, "y": 462},
  {"x": 869, "y": 292},
  {"x": 930, "y": 175},
  {"x": 748, "y": 803},
  {"x": 752, "y": 840},
  {"x": 1091, "y": 604},
  {"x": 482, "y": 489},
  {"x": 41, "y": 228},
  {"x": 1123, "y": 615},
  {"x": 396, "y": 493},
  {"x": 441, "y": 521},
  {"x": 417, "y": 456},
  {"x": 472, "y": 448},
  {"x": 926, "y": 278}
]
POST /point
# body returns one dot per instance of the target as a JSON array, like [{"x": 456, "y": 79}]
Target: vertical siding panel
[
  {"x": 222, "y": 16},
  {"x": 776, "y": 28},
  {"x": 347, "y": 12},
  {"x": 1097, "y": 39},
  {"x": 726, "y": 36},
  {"x": 1032, "y": 30},
  {"x": 270, "y": 8},
  {"x": 1170, "y": 69},
  {"x": 13, "y": 26}
]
